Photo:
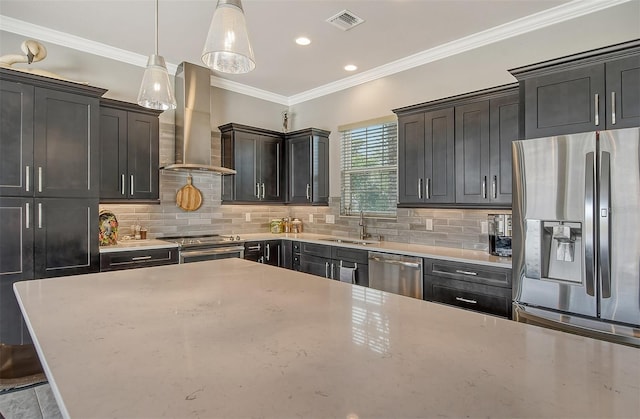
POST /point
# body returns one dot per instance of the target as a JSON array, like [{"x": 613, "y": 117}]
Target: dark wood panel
[
  {"x": 16, "y": 238},
  {"x": 273, "y": 252},
  {"x": 504, "y": 129},
  {"x": 482, "y": 298},
  {"x": 114, "y": 261},
  {"x": 113, "y": 153},
  {"x": 351, "y": 255},
  {"x": 320, "y": 171},
  {"x": 488, "y": 275},
  {"x": 316, "y": 249},
  {"x": 411, "y": 158},
  {"x": 472, "y": 152},
  {"x": 246, "y": 158},
  {"x": 439, "y": 156},
  {"x": 315, "y": 265},
  {"x": 143, "y": 143},
  {"x": 623, "y": 81},
  {"x": 271, "y": 170},
  {"x": 299, "y": 170}
]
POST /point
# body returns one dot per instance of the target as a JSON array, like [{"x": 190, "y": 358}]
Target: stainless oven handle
[
  {"x": 215, "y": 251},
  {"x": 394, "y": 262}
]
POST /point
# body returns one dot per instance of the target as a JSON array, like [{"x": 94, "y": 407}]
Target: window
[{"x": 369, "y": 168}]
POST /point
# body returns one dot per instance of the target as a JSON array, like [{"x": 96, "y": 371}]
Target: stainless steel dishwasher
[{"x": 396, "y": 273}]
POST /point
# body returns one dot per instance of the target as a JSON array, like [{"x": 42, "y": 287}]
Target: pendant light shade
[
  {"x": 155, "y": 90},
  {"x": 227, "y": 48}
]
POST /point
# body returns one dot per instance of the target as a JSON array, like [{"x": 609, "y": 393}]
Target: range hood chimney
[{"x": 193, "y": 123}]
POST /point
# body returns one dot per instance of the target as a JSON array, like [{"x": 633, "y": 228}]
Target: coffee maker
[{"x": 500, "y": 234}]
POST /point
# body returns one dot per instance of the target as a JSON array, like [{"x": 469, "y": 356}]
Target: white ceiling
[{"x": 396, "y": 35}]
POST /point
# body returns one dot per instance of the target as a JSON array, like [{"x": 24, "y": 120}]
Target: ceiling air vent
[{"x": 345, "y": 20}]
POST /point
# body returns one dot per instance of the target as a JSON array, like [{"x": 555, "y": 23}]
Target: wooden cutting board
[{"x": 189, "y": 198}]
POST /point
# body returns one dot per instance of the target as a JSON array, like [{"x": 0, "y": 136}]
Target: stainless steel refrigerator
[{"x": 576, "y": 233}]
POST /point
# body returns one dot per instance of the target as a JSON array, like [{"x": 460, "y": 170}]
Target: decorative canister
[
  {"x": 276, "y": 226},
  {"x": 296, "y": 226},
  {"x": 108, "y": 228}
]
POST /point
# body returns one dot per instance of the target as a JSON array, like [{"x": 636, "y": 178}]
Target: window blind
[{"x": 369, "y": 170}]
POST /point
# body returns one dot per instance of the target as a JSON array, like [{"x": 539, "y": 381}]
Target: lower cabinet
[
  {"x": 269, "y": 252},
  {"x": 114, "y": 261},
  {"x": 42, "y": 237},
  {"x": 326, "y": 261},
  {"x": 475, "y": 287}
]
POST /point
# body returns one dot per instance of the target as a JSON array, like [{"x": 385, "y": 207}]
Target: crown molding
[{"x": 558, "y": 14}]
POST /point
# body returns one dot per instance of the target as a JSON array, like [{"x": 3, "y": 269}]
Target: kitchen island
[{"x": 235, "y": 339}]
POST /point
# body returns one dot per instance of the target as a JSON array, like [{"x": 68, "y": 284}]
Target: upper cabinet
[
  {"x": 456, "y": 152},
  {"x": 308, "y": 167},
  {"x": 256, "y": 155},
  {"x": 594, "y": 90},
  {"x": 129, "y": 144},
  {"x": 49, "y": 131}
]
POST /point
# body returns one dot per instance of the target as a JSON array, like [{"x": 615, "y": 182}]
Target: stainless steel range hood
[{"x": 192, "y": 119}]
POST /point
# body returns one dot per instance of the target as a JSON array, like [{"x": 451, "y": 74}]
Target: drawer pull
[
  {"x": 465, "y": 300},
  {"x": 459, "y": 271},
  {"x": 141, "y": 258}
]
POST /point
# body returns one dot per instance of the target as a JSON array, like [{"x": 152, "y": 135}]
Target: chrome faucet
[{"x": 362, "y": 227}]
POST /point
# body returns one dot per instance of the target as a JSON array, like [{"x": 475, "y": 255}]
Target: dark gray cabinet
[
  {"x": 426, "y": 157},
  {"x": 129, "y": 147},
  {"x": 326, "y": 261},
  {"x": 269, "y": 252},
  {"x": 484, "y": 132},
  {"x": 131, "y": 259},
  {"x": 480, "y": 288},
  {"x": 49, "y": 172},
  {"x": 594, "y": 90},
  {"x": 256, "y": 155},
  {"x": 308, "y": 167}
]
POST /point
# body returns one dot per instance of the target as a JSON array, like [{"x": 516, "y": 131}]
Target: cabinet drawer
[
  {"x": 316, "y": 249},
  {"x": 137, "y": 259},
  {"x": 482, "y": 298},
  {"x": 499, "y": 277},
  {"x": 351, "y": 255}
]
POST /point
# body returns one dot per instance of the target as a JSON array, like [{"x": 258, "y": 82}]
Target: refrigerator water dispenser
[{"x": 553, "y": 250}]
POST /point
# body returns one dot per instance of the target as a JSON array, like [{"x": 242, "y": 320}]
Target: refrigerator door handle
[
  {"x": 604, "y": 223},
  {"x": 589, "y": 252}
]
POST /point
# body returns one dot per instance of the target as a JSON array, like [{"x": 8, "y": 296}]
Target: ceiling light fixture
[
  {"x": 350, "y": 67},
  {"x": 227, "y": 48},
  {"x": 303, "y": 41},
  {"x": 155, "y": 90}
]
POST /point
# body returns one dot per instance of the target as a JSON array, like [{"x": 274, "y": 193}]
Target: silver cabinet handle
[
  {"x": 326, "y": 269},
  {"x": 263, "y": 191},
  {"x": 26, "y": 178},
  {"x": 131, "y": 185},
  {"x": 419, "y": 188},
  {"x": 494, "y": 187},
  {"x": 257, "y": 194},
  {"x": 459, "y": 271},
  {"x": 465, "y": 300},
  {"x": 267, "y": 251},
  {"x": 613, "y": 108},
  {"x": 141, "y": 258},
  {"x": 122, "y": 183},
  {"x": 589, "y": 205},
  {"x": 596, "y": 99},
  {"x": 27, "y": 215},
  {"x": 257, "y": 247},
  {"x": 308, "y": 191},
  {"x": 39, "y": 215},
  {"x": 484, "y": 187},
  {"x": 427, "y": 188},
  {"x": 604, "y": 255},
  {"x": 39, "y": 179},
  {"x": 333, "y": 276}
]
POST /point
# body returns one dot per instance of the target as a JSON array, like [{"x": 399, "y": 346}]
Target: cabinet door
[
  {"x": 565, "y": 102},
  {"x": 16, "y": 238},
  {"x": 299, "y": 164},
  {"x": 113, "y": 153},
  {"x": 273, "y": 252},
  {"x": 66, "y": 137},
  {"x": 287, "y": 254},
  {"x": 16, "y": 139},
  {"x": 65, "y": 237},
  {"x": 270, "y": 169},
  {"x": 504, "y": 130},
  {"x": 253, "y": 251},
  {"x": 246, "y": 165},
  {"x": 439, "y": 184},
  {"x": 316, "y": 265},
  {"x": 472, "y": 153},
  {"x": 142, "y": 156},
  {"x": 320, "y": 170},
  {"x": 411, "y": 158},
  {"x": 623, "y": 91}
]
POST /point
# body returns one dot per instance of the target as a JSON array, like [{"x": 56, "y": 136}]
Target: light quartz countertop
[
  {"x": 436, "y": 252},
  {"x": 236, "y": 339},
  {"x": 127, "y": 245}
]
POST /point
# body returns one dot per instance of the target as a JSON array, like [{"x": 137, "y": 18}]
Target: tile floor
[{"x": 35, "y": 402}]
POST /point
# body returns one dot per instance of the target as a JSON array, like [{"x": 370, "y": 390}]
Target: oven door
[{"x": 211, "y": 253}]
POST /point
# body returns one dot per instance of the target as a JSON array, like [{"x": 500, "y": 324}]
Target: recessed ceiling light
[
  {"x": 350, "y": 67},
  {"x": 303, "y": 40}
]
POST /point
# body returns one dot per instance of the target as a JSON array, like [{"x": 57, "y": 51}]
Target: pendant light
[
  {"x": 227, "y": 48},
  {"x": 155, "y": 90}
]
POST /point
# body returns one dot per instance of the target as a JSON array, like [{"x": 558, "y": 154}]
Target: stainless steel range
[{"x": 197, "y": 248}]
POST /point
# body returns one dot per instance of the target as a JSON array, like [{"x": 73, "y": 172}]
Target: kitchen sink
[{"x": 351, "y": 241}]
